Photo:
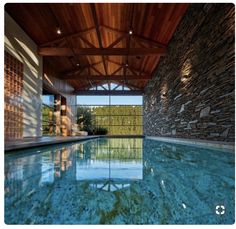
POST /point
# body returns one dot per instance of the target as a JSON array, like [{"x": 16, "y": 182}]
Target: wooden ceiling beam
[
  {"x": 117, "y": 70},
  {"x": 79, "y": 70},
  {"x": 128, "y": 42},
  {"x": 73, "y": 35},
  {"x": 87, "y": 42},
  {"x": 140, "y": 72},
  {"x": 52, "y": 51},
  {"x": 117, "y": 41},
  {"x": 67, "y": 40},
  {"x": 74, "y": 54},
  {"x": 132, "y": 70},
  {"x": 90, "y": 82},
  {"x": 99, "y": 73},
  {"x": 97, "y": 27},
  {"x": 108, "y": 92},
  {"x": 135, "y": 36},
  {"x": 107, "y": 77}
]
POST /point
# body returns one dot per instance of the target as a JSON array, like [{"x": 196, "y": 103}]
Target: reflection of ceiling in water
[
  {"x": 109, "y": 185},
  {"x": 105, "y": 169}
]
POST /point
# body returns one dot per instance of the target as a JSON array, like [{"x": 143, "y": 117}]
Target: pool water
[{"x": 119, "y": 181}]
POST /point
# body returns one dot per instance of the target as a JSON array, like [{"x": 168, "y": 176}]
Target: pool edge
[
  {"x": 26, "y": 145},
  {"x": 196, "y": 142},
  {"x": 53, "y": 141}
]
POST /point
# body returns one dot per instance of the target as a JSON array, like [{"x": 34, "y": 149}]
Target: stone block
[
  {"x": 214, "y": 134},
  {"x": 181, "y": 109},
  {"x": 178, "y": 96},
  {"x": 205, "y": 112},
  {"x": 225, "y": 133}
]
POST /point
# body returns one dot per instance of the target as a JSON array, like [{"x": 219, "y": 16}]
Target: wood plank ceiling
[{"x": 95, "y": 45}]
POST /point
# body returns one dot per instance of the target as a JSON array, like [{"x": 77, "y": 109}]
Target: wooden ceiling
[{"x": 95, "y": 45}]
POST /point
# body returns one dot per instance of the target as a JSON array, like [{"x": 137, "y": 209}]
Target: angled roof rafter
[
  {"x": 135, "y": 36},
  {"x": 118, "y": 40},
  {"x": 73, "y": 35},
  {"x": 140, "y": 72},
  {"x": 78, "y": 71},
  {"x": 113, "y": 34},
  {"x": 106, "y": 77},
  {"x": 117, "y": 70}
]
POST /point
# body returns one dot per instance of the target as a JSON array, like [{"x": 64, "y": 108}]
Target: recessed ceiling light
[
  {"x": 130, "y": 31},
  {"x": 126, "y": 65},
  {"x": 58, "y": 31},
  {"x": 77, "y": 64}
]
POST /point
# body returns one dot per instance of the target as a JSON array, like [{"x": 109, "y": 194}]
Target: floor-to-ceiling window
[
  {"x": 48, "y": 117},
  {"x": 113, "y": 115}
]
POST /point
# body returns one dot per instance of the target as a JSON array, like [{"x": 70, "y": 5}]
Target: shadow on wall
[{"x": 32, "y": 84}]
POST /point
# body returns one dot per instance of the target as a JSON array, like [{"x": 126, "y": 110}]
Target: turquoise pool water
[{"x": 119, "y": 181}]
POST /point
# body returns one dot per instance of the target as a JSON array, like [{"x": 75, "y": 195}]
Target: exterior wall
[
  {"x": 192, "y": 92},
  {"x": 18, "y": 44}
]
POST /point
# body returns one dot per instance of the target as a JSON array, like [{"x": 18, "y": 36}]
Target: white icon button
[{"x": 220, "y": 209}]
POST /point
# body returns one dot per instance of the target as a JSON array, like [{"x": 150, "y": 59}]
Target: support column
[
  {"x": 57, "y": 113},
  {"x": 64, "y": 118}
]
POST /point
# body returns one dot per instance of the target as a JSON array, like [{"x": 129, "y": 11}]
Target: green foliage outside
[
  {"x": 115, "y": 148},
  {"x": 84, "y": 119},
  {"x": 47, "y": 120},
  {"x": 113, "y": 120}
]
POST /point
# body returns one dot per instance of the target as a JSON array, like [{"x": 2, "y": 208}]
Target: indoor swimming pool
[{"x": 119, "y": 181}]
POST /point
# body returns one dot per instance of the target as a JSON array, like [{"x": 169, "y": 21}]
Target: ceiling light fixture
[
  {"x": 77, "y": 64},
  {"x": 126, "y": 65},
  {"x": 130, "y": 32},
  {"x": 58, "y": 31}
]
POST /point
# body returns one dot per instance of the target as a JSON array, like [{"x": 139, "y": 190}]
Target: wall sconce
[{"x": 185, "y": 78}]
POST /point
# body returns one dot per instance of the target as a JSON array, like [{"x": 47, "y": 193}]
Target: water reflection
[
  {"x": 110, "y": 164},
  {"x": 105, "y": 163},
  {"x": 119, "y": 181}
]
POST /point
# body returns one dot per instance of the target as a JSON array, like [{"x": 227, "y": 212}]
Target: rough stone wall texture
[{"x": 192, "y": 92}]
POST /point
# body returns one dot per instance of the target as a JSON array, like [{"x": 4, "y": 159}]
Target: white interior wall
[{"x": 20, "y": 45}]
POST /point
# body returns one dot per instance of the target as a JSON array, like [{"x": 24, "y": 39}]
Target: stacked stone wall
[{"x": 192, "y": 92}]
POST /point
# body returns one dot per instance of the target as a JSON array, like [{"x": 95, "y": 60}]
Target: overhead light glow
[
  {"x": 126, "y": 65},
  {"x": 131, "y": 32},
  {"x": 77, "y": 64},
  {"x": 58, "y": 31}
]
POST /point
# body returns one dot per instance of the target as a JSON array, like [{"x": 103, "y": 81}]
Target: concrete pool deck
[
  {"x": 42, "y": 141},
  {"x": 52, "y": 140},
  {"x": 196, "y": 142}
]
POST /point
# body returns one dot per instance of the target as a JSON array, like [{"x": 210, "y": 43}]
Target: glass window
[
  {"x": 48, "y": 118},
  {"x": 122, "y": 117},
  {"x": 92, "y": 100}
]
